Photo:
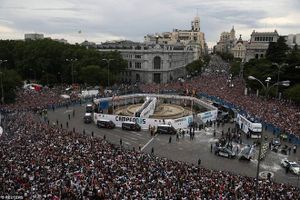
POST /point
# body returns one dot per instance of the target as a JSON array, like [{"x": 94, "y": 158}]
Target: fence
[{"x": 268, "y": 126}]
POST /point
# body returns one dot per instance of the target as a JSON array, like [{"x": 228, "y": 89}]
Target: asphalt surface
[{"x": 184, "y": 149}]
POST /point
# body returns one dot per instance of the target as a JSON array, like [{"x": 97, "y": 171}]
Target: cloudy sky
[{"x": 101, "y": 20}]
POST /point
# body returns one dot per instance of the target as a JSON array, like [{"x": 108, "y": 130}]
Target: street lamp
[
  {"x": 72, "y": 60},
  {"x": 108, "y": 61},
  {"x": 278, "y": 73},
  {"x": 267, "y": 89}
]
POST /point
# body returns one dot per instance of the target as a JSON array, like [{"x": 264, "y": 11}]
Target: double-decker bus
[{"x": 249, "y": 126}]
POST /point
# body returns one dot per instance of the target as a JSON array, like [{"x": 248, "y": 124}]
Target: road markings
[{"x": 148, "y": 143}]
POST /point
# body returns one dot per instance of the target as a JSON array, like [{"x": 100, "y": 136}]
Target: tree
[
  {"x": 195, "y": 66},
  {"x": 10, "y": 81},
  {"x": 294, "y": 93},
  {"x": 93, "y": 75},
  {"x": 235, "y": 67},
  {"x": 277, "y": 51},
  {"x": 228, "y": 57},
  {"x": 34, "y": 59}
]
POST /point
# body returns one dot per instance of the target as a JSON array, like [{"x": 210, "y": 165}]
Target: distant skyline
[{"x": 102, "y": 20}]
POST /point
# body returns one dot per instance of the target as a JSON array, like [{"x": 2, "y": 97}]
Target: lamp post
[
  {"x": 108, "y": 61},
  {"x": 278, "y": 74},
  {"x": 267, "y": 88},
  {"x": 1, "y": 74},
  {"x": 72, "y": 60}
]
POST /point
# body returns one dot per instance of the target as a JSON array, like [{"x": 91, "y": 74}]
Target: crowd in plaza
[
  {"x": 32, "y": 100},
  {"x": 42, "y": 161},
  {"x": 283, "y": 114}
]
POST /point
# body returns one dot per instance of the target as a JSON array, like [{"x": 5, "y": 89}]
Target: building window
[
  {"x": 138, "y": 65},
  {"x": 157, "y": 62},
  {"x": 138, "y": 56},
  {"x": 130, "y": 64}
]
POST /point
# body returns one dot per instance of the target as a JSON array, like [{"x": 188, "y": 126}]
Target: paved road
[{"x": 184, "y": 150}]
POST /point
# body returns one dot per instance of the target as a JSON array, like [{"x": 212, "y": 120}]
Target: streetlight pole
[
  {"x": 108, "y": 61},
  {"x": 267, "y": 89},
  {"x": 278, "y": 74},
  {"x": 72, "y": 60}
]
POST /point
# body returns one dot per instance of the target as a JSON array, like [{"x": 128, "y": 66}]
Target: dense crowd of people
[
  {"x": 283, "y": 114},
  {"x": 30, "y": 99},
  {"x": 42, "y": 161}
]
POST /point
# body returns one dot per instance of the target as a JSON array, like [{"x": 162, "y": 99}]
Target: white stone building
[
  {"x": 292, "y": 40},
  {"x": 33, "y": 36},
  {"x": 259, "y": 44},
  {"x": 152, "y": 63},
  {"x": 226, "y": 42},
  {"x": 239, "y": 49}
]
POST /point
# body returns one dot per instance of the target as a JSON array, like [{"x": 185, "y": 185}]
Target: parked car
[
  {"x": 105, "y": 123},
  {"x": 131, "y": 126},
  {"x": 225, "y": 152},
  {"x": 292, "y": 166},
  {"x": 88, "y": 118},
  {"x": 166, "y": 129}
]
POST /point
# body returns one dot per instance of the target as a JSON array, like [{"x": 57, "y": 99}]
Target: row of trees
[
  {"x": 278, "y": 52},
  {"x": 50, "y": 62},
  {"x": 195, "y": 67}
]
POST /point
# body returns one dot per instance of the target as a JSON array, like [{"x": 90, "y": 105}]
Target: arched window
[{"x": 157, "y": 62}]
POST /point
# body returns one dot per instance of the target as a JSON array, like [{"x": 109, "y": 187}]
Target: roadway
[{"x": 184, "y": 149}]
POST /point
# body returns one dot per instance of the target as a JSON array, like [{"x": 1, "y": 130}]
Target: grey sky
[{"x": 101, "y": 20}]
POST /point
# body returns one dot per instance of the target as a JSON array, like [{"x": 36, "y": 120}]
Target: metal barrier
[{"x": 269, "y": 127}]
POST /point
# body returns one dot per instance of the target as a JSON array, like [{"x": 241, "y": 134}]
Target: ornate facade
[
  {"x": 226, "y": 42},
  {"x": 192, "y": 37},
  {"x": 152, "y": 63},
  {"x": 239, "y": 49},
  {"x": 259, "y": 43}
]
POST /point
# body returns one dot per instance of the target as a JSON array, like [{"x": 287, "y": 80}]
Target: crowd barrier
[{"x": 267, "y": 126}]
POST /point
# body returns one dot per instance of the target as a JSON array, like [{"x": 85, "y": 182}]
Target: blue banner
[{"x": 103, "y": 105}]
